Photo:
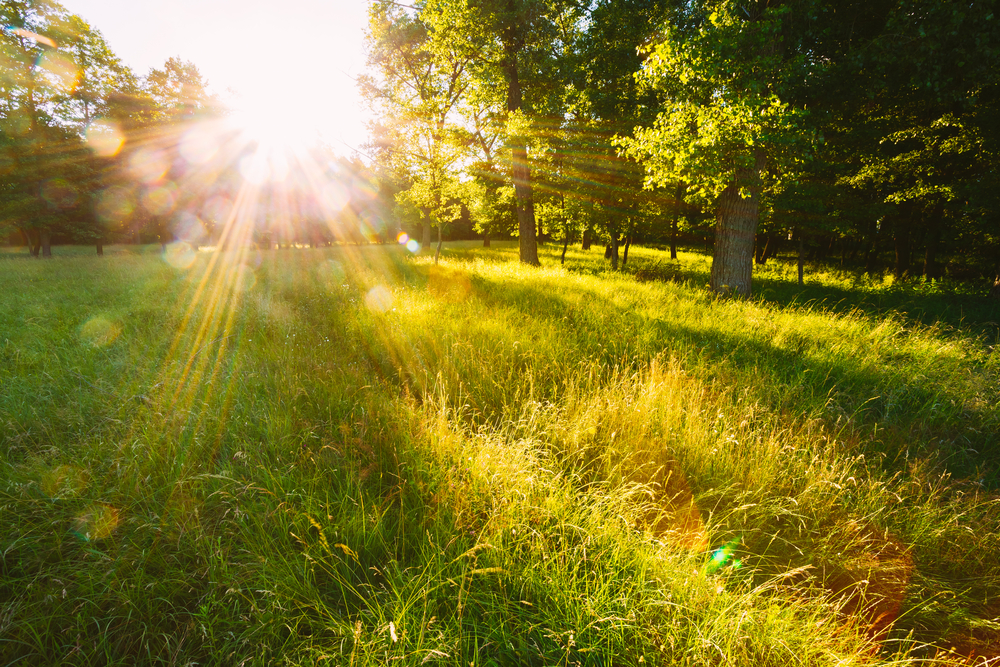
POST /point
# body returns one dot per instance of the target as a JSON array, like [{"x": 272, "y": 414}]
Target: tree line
[{"x": 861, "y": 131}]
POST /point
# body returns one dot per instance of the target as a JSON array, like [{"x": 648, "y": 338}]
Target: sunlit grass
[{"x": 354, "y": 456}]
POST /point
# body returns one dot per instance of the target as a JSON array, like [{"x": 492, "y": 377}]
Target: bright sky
[{"x": 292, "y": 62}]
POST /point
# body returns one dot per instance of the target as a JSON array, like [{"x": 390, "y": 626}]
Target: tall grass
[{"x": 357, "y": 457}]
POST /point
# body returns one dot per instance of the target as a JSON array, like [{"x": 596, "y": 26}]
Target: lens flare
[
  {"x": 180, "y": 255},
  {"x": 64, "y": 480},
  {"x": 199, "y": 144},
  {"x": 159, "y": 200},
  {"x": 58, "y": 193},
  {"x": 189, "y": 228},
  {"x": 98, "y": 522},
  {"x": 105, "y": 138},
  {"x": 100, "y": 331},
  {"x": 402, "y": 238},
  {"x": 378, "y": 299},
  {"x": 60, "y": 70},
  {"x": 413, "y": 246},
  {"x": 149, "y": 165},
  {"x": 115, "y": 205}
]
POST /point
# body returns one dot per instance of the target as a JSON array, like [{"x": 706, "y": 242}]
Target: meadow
[{"x": 353, "y": 456}]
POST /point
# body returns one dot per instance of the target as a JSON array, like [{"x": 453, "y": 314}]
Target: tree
[
  {"x": 514, "y": 42},
  {"x": 417, "y": 90},
  {"x": 726, "y": 128}
]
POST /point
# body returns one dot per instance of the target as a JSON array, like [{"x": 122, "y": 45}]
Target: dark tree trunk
[
  {"x": 769, "y": 248},
  {"x": 933, "y": 240},
  {"x": 45, "y": 237},
  {"x": 762, "y": 249},
  {"x": 520, "y": 171},
  {"x": 562, "y": 260},
  {"x": 800, "y": 237},
  {"x": 628, "y": 244},
  {"x": 901, "y": 240},
  {"x": 32, "y": 242},
  {"x": 736, "y": 224},
  {"x": 486, "y": 240},
  {"x": 587, "y": 239},
  {"x": 871, "y": 257},
  {"x": 100, "y": 248},
  {"x": 678, "y": 193},
  {"x": 611, "y": 252}
]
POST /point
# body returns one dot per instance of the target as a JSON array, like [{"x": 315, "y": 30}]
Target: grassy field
[{"x": 353, "y": 457}]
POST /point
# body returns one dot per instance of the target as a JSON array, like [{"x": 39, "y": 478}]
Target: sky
[{"x": 291, "y": 63}]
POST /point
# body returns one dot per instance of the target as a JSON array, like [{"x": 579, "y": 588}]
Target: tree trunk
[
  {"x": 45, "y": 237},
  {"x": 587, "y": 240},
  {"x": 901, "y": 240},
  {"x": 871, "y": 256},
  {"x": 628, "y": 244},
  {"x": 611, "y": 252},
  {"x": 425, "y": 238},
  {"x": 678, "y": 193},
  {"x": 437, "y": 252},
  {"x": 33, "y": 245},
  {"x": 769, "y": 248},
  {"x": 486, "y": 240},
  {"x": 933, "y": 240},
  {"x": 520, "y": 172},
  {"x": 100, "y": 247},
  {"x": 736, "y": 224},
  {"x": 562, "y": 260},
  {"x": 800, "y": 237},
  {"x": 761, "y": 242}
]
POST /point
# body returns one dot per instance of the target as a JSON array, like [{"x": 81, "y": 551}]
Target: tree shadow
[{"x": 793, "y": 380}]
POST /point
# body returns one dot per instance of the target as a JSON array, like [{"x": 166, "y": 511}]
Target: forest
[{"x": 858, "y": 133}]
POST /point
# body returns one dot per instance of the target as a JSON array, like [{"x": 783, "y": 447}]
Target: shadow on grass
[{"x": 785, "y": 377}]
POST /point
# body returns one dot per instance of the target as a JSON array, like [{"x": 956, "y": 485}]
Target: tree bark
[
  {"x": 45, "y": 238},
  {"x": 437, "y": 252},
  {"x": 800, "y": 237},
  {"x": 520, "y": 172},
  {"x": 486, "y": 240},
  {"x": 587, "y": 240},
  {"x": 933, "y": 240},
  {"x": 901, "y": 240},
  {"x": 628, "y": 244},
  {"x": 678, "y": 193},
  {"x": 562, "y": 260},
  {"x": 871, "y": 256},
  {"x": 425, "y": 236},
  {"x": 611, "y": 252},
  {"x": 736, "y": 225},
  {"x": 100, "y": 247}
]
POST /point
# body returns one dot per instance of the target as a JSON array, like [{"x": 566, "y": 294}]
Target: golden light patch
[
  {"x": 63, "y": 480},
  {"x": 100, "y": 332},
  {"x": 448, "y": 284},
  {"x": 98, "y": 522}
]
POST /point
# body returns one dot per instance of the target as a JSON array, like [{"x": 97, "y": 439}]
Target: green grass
[{"x": 353, "y": 456}]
